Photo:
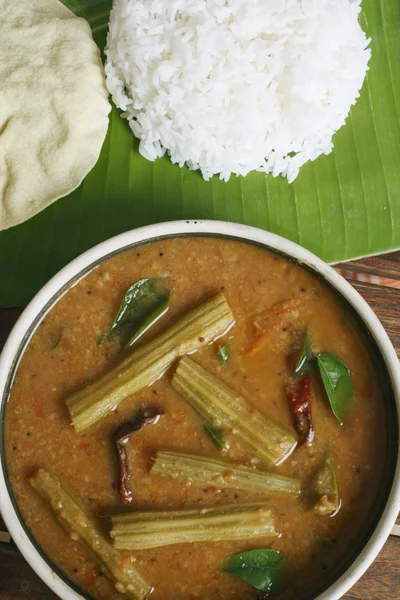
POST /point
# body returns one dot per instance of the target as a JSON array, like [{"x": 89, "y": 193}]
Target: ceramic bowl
[{"x": 377, "y": 527}]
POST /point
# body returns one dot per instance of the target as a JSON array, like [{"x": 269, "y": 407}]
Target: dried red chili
[
  {"x": 299, "y": 395},
  {"x": 145, "y": 416}
]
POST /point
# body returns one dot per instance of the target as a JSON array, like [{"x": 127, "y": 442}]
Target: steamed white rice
[{"x": 232, "y": 86}]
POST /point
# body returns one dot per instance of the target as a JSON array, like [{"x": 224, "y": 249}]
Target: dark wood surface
[{"x": 382, "y": 580}]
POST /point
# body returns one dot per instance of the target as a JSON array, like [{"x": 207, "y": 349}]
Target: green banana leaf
[{"x": 341, "y": 206}]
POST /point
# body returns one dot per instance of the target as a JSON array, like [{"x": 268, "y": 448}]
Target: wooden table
[{"x": 382, "y": 580}]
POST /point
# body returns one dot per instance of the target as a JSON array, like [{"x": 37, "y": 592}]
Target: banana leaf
[{"x": 341, "y": 206}]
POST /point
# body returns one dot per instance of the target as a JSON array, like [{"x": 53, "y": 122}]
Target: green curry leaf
[
  {"x": 337, "y": 383},
  {"x": 306, "y": 361},
  {"x": 215, "y": 436},
  {"x": 262, "y": 569},
  {"x": 148, "y": 322},
  {"x": 143, "y": 303},
  {"x": 224, "y": 354}
]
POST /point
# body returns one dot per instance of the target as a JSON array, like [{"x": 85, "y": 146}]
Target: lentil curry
[{"x": 175, "y": 471}]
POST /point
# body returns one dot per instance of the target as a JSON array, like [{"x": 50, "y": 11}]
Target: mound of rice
[{"x": 231, "y": 86}]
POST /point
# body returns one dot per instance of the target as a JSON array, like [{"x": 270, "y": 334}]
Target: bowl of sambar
[{"x": 199, "y": 409}]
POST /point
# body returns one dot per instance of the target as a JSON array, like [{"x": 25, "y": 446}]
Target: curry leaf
[
  {"x": 262, "y": 569},
  {"x": 148, "y": 322},
  {"x": 143, "y": 303},
  {"x": 224, "y": 354},
  {"x": 306, "y": 361},
  {"x": 215, "y": 436},
  {"x": 337, "y": 383}
]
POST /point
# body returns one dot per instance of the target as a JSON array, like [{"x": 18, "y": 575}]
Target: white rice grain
[{"x": 232, "y": 86}]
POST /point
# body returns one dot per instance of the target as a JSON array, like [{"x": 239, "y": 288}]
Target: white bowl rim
[{"x": 216, "y": 228}]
